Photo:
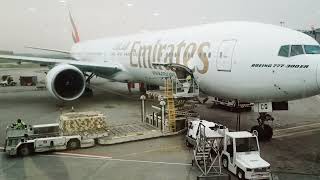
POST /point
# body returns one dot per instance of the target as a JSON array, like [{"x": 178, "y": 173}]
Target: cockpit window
[
  {"x": 284, "y": 51},
  {"x": 296, "y": 50},
  {"x": 312, "y": 49}
]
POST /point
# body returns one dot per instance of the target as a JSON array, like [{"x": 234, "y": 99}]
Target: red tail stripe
[{"x": 75, "y": 34}]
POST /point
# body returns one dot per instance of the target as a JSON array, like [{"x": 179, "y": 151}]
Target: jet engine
[{"x": 66, "y": 82}]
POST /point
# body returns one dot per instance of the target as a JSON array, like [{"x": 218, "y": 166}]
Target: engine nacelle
[{"x": 66, "y": 82}]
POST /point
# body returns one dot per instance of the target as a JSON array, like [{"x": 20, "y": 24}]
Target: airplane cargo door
[{"x": 225, "y": 53}]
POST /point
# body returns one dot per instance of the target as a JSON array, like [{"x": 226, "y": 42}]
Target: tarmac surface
[{"x": 294, "y": 152}]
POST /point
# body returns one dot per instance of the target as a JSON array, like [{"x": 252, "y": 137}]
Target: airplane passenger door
[{"x": 225, "y": 54}]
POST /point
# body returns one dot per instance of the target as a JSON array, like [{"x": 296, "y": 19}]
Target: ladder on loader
[
  {"x": 170, "y": 105},
  {"x": 206, "y": 154}
]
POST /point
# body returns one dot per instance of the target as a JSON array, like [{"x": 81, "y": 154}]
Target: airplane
[{"x": 247, "y": 61}]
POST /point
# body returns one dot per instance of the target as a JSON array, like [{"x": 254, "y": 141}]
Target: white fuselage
[{"x": 235, "y": 60}]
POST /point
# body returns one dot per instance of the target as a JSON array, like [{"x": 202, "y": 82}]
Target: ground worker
[
  {"x": 189, "y": 78},
  {"x": 20, "y": 124}
]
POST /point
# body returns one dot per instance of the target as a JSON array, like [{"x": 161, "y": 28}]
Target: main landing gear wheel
[
  {"x": 88, "y": 92},
  {"x": 265, "y": 132}
]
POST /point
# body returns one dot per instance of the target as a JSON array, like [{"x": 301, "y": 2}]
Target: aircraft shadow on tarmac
[{"x": 32, "y": 167}]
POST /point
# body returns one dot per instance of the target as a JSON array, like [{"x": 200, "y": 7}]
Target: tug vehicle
[{"x": 74, "y": 130}]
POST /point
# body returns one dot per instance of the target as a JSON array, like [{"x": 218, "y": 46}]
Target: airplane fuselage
[{"x": 236, "y": 60}]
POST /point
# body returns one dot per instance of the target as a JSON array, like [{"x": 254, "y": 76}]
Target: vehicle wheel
[
  {"x": 73, "y": 144},
  {"x": 188, "y": 144},
  {"x": 225, "y": 162},
  {"x": 24, "y": 150},
  {"x": 240, "y": 174}
]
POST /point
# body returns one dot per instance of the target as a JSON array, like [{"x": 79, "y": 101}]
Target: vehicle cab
[
  {"x": 241, "y": 156},
  {"x": 17, "y": 138},
  {"x": 14, "y": 137}
]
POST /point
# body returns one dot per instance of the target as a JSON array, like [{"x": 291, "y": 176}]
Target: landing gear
[
  {"x": 265, "y": 132},
  {"x": 89, "y": 77},
  {"x": 88, "y": 91}
]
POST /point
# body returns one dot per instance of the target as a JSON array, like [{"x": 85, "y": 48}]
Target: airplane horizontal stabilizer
[{"x": 46, "y": 49}]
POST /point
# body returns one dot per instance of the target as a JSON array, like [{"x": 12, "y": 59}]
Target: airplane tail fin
[{"x": 75, "y": 33}]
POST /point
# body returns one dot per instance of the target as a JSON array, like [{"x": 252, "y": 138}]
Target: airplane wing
[{"x": 108, "y": 67}]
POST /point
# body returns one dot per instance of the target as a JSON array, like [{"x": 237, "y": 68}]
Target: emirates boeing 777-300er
[{"x": 247, "y": 61}]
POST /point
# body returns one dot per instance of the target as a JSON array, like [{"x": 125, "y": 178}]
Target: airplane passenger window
[
  {"x": 284, "y": 51},
  {"x": 312, "y": 49},
  {"x": 296, "y": 50}
]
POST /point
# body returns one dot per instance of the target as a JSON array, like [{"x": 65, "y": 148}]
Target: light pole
[
  {"x": 143, "y": 108},
  {"x": 162, "y": 104}
]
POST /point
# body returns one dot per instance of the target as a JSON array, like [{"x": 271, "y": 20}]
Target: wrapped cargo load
[{"x": 91, "y": 124}]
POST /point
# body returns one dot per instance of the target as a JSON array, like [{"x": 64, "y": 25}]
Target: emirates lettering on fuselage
[{"x": 144, "y": 55}]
